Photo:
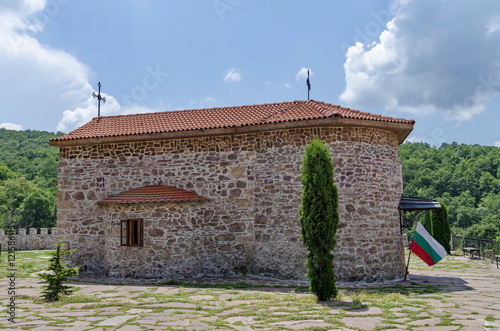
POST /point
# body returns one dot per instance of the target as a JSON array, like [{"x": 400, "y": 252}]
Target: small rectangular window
[{"x": 132, "y": 233}]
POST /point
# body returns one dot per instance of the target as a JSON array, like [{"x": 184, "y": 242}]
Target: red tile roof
[
  {"x": 214, "y": 118},
  {"x": 154, "y": 194}
]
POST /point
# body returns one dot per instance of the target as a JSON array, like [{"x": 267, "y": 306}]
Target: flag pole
[{"x": 408, "y": 264}]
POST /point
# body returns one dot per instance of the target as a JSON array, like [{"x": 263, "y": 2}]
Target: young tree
[
  {"x": 319, "y": 218},
  {"x": 58, "y": 273},
  {"x": 441, "y": 227}
]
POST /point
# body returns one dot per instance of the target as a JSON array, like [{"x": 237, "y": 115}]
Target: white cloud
[
  {"x": 497, "y": 144},
  {"x": 302, "y": 74},
  {"x": 85, "y": 111},
  {"x": 415, "y": 139},
  {"x": 493, "y": 25},
  {"x": 56, "y": 82},
  {"x": 232, "y": 75},
  {"x": 287, "y": 86},
  {"x": 52, "y": 78},
  {"x": 425, "y": 62},
  {"x": 11, "y": 126}
]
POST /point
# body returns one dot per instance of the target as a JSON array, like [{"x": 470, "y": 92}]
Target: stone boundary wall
[{"x": 31, "y": 241}]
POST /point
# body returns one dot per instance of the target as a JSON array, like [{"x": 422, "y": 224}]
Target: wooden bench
[
  {"x": 497, "y": 258},
  {"x": 471, "y": 251}
]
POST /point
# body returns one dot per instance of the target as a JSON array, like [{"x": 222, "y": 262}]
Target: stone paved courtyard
[{"x": 456, "y": 294}]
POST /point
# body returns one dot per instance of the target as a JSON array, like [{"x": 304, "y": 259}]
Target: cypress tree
[
  {"x": 441, "y": 227},
  {"x": 319, "y": 218},
  {"x": 426, "y": 221}
]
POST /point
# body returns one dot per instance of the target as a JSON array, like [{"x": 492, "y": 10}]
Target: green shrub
[
  {"x": 319, "y": 218},
  {"x": 426, "y": 221},
  {"x": 58, "y": 273},
  {"x": 441, "y": 227}
]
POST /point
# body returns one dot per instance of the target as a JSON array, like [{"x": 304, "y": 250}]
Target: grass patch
[
  {"x": 219, "y": 323},
  {"x": 240, "y": 284},
  {"x": 80, "y": 299},
  {"x": 445, "y": 321},
  {"x": 357, "y": 304},
  {"x": 70, "y": 299},
  {"x": 26, "y": 263},
  {"x": 381, "y": 299}
]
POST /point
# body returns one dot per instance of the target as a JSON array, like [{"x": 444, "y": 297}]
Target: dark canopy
[{"x": 407, "y": 204}]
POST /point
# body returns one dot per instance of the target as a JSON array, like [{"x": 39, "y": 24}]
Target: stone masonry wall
[
  {"x": 250, "y": 225},
  {"x": 178, "y": 242},
  {"x": 31, "y": 240}
]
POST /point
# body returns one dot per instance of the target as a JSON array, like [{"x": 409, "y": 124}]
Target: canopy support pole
[{"x": 407, "y": 265}]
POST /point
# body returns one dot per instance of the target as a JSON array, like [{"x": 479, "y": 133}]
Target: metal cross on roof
[
  {"x": 308, "y": 82},
  {"x": 99, "y": 99}
]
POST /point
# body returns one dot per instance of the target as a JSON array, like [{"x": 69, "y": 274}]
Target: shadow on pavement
[{"x": 417, "y": 284}]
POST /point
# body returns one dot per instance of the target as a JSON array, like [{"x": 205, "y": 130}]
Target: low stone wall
[{"x": 31, "y": 240}]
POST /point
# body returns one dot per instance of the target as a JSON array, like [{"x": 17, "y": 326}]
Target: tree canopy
[
  {"x": 28, "y": 179},
  {"x": 466, "y": 178}
]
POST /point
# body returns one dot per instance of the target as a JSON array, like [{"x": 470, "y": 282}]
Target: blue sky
[{"x": 435, "y": 61}]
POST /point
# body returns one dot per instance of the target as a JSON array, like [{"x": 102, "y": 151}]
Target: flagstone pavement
[{"x": 467, "y": 299}]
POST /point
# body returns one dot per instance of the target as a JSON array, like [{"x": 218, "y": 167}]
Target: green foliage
[
  {"x": 28, "y": 153},
  {"x": 23, "y": 204},
  {"x": 441, "y": 227},
  {"x": 12, "y": 194},
  {"x": 28, "y": 179},
  {"x": 426, "y": 221},
  {"x": 57, "y": 274},
  {"x": 37, "y": 210},
  {"x": 480, "y": 231},
  {"x": 5, "y": 172},
  {"x": 466, "y": 178},
  {"x": 319, "y": 218}
]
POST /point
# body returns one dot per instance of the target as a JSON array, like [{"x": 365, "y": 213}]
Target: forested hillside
[
  {"x": 28, "y": 179},
  {"x": 466, "y": 178}
]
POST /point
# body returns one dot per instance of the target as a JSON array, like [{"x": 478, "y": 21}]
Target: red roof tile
[
  {"x": 154, "y": 194},
  {"x": 214, "y": 118}
]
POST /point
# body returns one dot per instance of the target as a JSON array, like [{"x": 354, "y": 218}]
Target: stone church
[{"x": 217, "y": 191}]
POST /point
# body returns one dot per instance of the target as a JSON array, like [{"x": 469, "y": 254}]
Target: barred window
[{"x": 132, "y": 232}]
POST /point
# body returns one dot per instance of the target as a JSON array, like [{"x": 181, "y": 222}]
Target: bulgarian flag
[{"x": 426, "y": 247}]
